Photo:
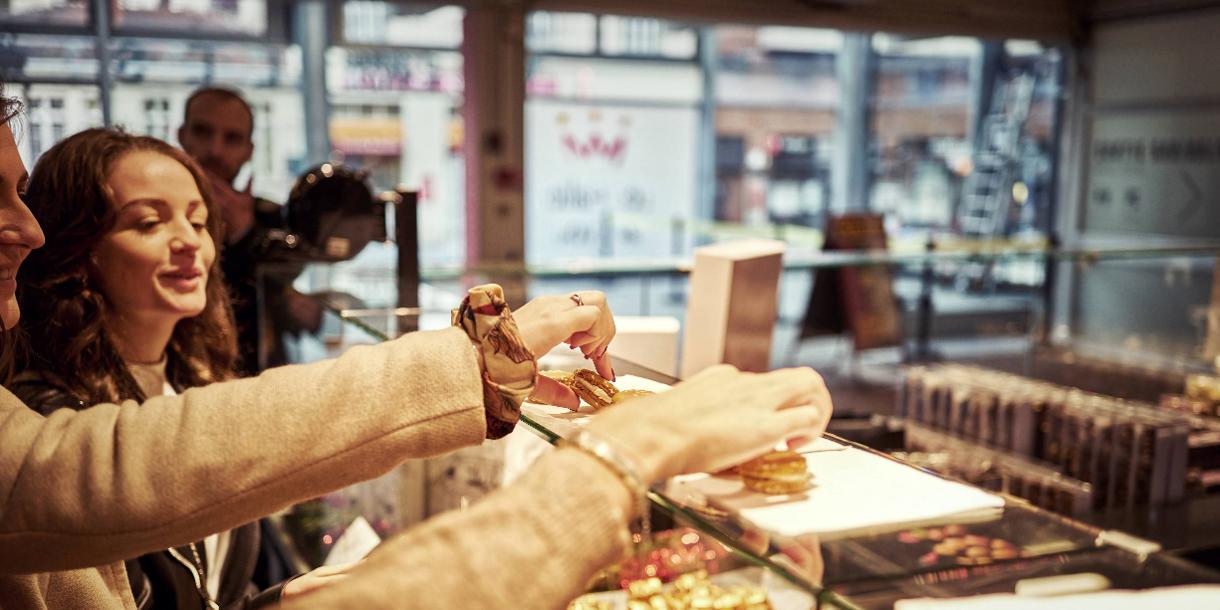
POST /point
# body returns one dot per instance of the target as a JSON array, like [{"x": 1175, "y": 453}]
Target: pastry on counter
[
  {"x": 625, "y": 395},
  {"x": 588, "y": 385},
  {"x": 777, "y": 472},
  {"x": 593, "y": 388}
]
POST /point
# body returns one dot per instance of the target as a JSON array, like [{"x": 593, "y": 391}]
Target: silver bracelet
[{"x": 626, "y": 468}]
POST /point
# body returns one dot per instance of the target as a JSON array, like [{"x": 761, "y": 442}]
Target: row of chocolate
[
  {"x": 1131, "y": 453},
  {"x": 997, "y": 470}
]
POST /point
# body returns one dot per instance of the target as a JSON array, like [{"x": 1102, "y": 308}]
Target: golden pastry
[
  {"x": 593, "y": 388},
  {"x": 777, "y": 472}
]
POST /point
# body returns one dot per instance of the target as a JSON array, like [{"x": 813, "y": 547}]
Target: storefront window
[
  {"x": 775, "y": 117},
  {"x": 153, "y": 78},
  {"x": 53, "y": 112},
  {"x": 610, "y": 144},
  {"x": 208, "y": 16},
  {"x": 35, "y": 57},
  {"x": 413, "y": 24},
  {"x": 561, "y": 33},
  {"x": 45, "y": 12},
  {"x": 643, "y": 37},
  {"x": 963, "y": 135},
  {"x": 396, "y": 113},
  {"x": 921, "y": 111}
]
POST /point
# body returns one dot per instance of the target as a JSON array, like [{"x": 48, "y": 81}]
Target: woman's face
[
  {"x": 153, "y": 264},
  {"x": 19, "y": 232}
]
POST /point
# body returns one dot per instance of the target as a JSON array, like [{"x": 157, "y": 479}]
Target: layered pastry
[
  {"x": 588, "y": 385},
  {"x": 777, "y": 472},
  {"x": 593, "y": 388}
]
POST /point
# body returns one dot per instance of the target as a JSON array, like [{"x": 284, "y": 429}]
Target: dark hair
[
  {"x": 223, "y": 93},
  {"x": 10, "y": 107},
  {"x": 63, "y": 332}
]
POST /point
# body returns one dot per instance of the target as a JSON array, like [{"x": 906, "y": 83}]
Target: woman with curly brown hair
[{"x": 126, "y": 302}]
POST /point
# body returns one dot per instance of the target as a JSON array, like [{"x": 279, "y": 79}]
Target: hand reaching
[
  {"x": 719, "y": 418},
  {"x": 582, "y": 320}
]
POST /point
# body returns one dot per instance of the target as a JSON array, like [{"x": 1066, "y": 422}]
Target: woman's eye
[
  {"x": 199, "y": 226},
  {"x": 148, "y": 224}
]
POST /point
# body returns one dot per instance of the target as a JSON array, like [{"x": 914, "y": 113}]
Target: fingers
[
  {"x": 790, "y": 387},
  {"x": 604, "y": 367},
  {"x": 552, "y": 392},
  {"x": 581, "y": 339},
  {"x": 800, "y": 423}
]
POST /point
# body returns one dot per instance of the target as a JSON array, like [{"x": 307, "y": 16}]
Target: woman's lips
[{"x": 184, "y": 280}]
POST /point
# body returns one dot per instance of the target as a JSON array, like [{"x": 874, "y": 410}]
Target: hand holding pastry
[
  {"x": 582, "y": 320},
  {"x": 718, "y": 418}
]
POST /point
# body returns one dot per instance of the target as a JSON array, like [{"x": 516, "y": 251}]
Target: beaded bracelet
[{"x": 625, "y": 467}]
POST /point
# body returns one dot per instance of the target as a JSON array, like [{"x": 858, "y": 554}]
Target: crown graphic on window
[{"x": 594, "y": 146}]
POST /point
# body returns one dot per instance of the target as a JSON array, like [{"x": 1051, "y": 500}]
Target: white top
[{"x": 152, "y": 380}]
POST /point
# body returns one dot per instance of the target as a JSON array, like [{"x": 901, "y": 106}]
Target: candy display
[
  {"x": 955, "y": 545},
  {"x": 689, "y": 591},
  {"x": 997, "y": 470},
  {"x": 1132, "y": 454}
]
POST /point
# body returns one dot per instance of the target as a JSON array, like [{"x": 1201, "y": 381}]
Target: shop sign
[
  {"x": 366, "y": 136},
  {"x": 1155, "y": 172},
  {"x": 608, "y": 181}
]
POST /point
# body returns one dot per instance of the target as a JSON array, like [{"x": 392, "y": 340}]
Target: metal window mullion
[{"x": 100, "y": 15}]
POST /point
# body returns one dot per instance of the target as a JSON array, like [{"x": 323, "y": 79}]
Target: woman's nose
[
  {"x": 21, "y": 228},
  {"x": 185, "y": 239}
]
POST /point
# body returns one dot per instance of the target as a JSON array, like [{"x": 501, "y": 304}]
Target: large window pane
[
  {"x": 53, "y": 112},
  {"x": 644, "y": 37},
  {"x": 153, "y": 78},
  {"x": 561, "y": 33},
  {"x": 776, "y": 92},
  {"x": 397, "y": 115},
  {"x": 45, "y": 12},
  {"x": 415, "y": 24},
  {"x": 921, "y": 127},
  {"x": 194, "y": 16},
  {"x": 610, "y": 144},
  {"x": 34, "y": 57}
]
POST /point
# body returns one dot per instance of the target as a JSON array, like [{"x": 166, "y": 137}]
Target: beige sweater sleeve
[
  {"x": 532, "y": 545},
  {"x": 110, "y": 482}
]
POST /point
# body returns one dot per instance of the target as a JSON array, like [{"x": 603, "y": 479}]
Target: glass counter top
[{"x": 874, "y": 568}]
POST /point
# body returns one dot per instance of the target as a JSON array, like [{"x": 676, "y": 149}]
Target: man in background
[{"x": 217, "y": 130}]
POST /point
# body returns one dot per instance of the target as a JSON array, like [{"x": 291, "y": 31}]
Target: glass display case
[{"x": 868, "y": 567}]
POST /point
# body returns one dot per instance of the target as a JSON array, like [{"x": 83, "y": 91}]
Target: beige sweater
[
  {"x": 90, "y": 488},
  {"x": 93, "y": 487}
]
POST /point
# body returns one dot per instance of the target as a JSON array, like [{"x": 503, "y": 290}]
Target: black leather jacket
[{"x": 170, "y": 579}]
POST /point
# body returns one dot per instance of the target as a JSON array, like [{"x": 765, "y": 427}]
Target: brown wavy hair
[{"x": 63, "y": 333}]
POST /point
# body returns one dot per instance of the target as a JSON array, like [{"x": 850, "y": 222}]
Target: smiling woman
[{"x": 128, "y": 219}]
